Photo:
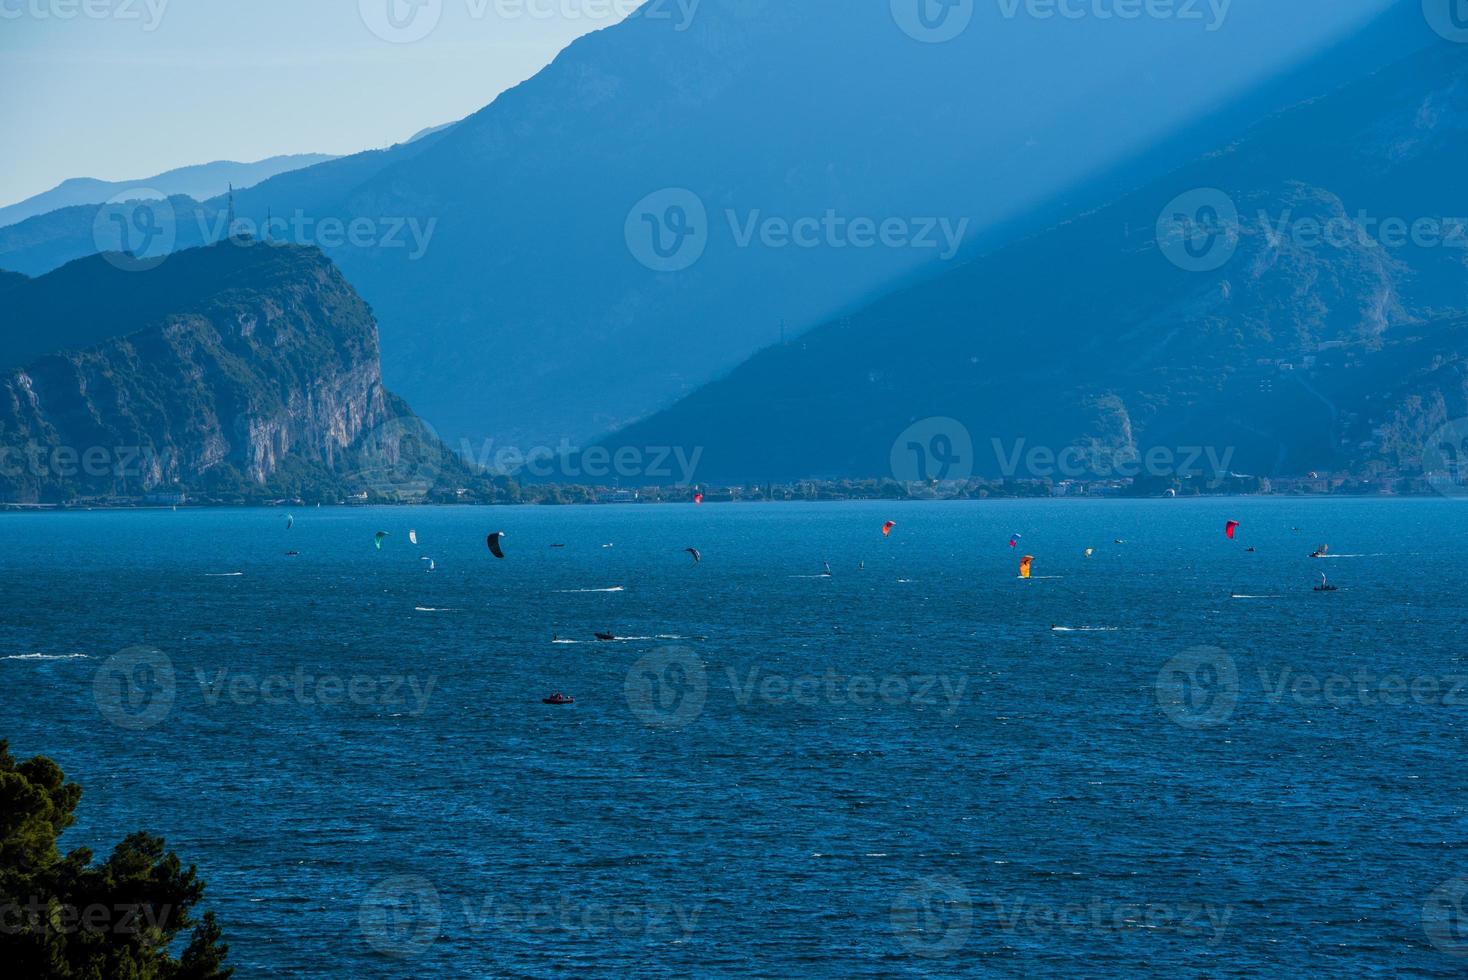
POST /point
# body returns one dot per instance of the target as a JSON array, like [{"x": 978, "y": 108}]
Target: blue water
[{"x": 955, "y": 788}]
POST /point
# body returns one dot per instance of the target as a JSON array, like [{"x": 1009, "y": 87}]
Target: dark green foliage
[{"x": 66, "y": 917}]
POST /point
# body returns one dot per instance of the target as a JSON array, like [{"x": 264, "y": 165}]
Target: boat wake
[
  {"x": 47, "y": 656},
  {"x": 223, "y": 574},
  {"x": 615, "y": 588},
  {"x": 1085, "y": 629}
]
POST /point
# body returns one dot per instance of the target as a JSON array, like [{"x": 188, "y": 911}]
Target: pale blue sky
[
  {"x": 136, "y": 87},
  {"x": 156, "y": 84}
]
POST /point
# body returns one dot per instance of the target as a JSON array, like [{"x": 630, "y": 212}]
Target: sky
[{"x": 124, "y": 89}]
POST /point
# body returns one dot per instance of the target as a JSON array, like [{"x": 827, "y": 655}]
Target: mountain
[
  {"x": 45, "y": 242},
  {"x": 511, "y": 258},
  {"x": 203, "y": 181},
  {"x": 1307, "y": 313},
  {"x": 235, "y": 372}
]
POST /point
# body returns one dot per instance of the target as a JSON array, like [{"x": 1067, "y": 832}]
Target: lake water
[{"x": 897, "y": 770}]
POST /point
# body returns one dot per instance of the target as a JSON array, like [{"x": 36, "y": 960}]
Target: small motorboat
[
  {"x": 292, "y": 554},
  {"x": 558, "y": 698},
  {"x": 606, "y": 636},
  {"x": 1321, "y": 551}
]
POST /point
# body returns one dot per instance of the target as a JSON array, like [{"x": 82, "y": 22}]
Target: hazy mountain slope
[
  {"x": 202, "y": 181},
  {"x": 763, "y": 110},
  {"x": 1090, "y": 335}
]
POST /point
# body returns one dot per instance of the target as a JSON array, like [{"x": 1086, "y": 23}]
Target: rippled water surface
[{"x": 902, "y": 768}]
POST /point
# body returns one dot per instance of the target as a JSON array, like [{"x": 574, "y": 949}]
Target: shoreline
[{"x": 47, "y": 508}]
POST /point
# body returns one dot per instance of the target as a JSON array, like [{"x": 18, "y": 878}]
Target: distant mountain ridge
[
  {"x": 200, "y": 181},
  {"x": 1299, "y": 324}
]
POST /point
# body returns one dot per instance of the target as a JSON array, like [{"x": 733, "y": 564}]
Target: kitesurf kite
[
  {"x": 493, "y": 541},
  {"x": 696, "y": 556},
  {"x": 1014, "y": 540},
  {"x": 290, "y": 521},
  {"x": 1024, "y": 566},
  {"x": 377, "y": 539},
  {"x": 887, "y": 528},
  {"x": 1230, "y": 528}
]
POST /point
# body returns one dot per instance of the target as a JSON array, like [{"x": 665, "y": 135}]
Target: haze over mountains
[
  {"x": 201, "y": 182},
  {"x": 1294, "y": 300},
  {"x": 530, "y": 314}
]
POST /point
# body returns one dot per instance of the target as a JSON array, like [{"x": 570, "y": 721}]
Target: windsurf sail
[
  {"x": 290, "y": 521},
  {"x": 698, "y": 497},
  {"x": 1026, "y": 564},
  {"x": 1090, "y": 552},
  {"x": 413, "y": 536}
]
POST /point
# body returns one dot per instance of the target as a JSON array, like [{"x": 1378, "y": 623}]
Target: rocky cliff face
[{"x": 243, "y": 366}]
